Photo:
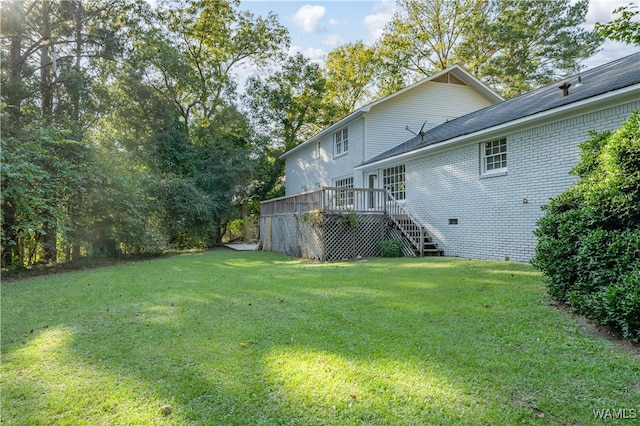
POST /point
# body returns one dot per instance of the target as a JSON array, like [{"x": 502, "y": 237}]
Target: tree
[
  {"x": 352, "y": 71},
  {"x": 289, "y": 104},
  {"x": 191, "y": 61},
  {"x": 522, "y": 44},
  {"x": 625, "y": 28},
  {"x": 512, "y": 45},
  {"x": 51, "y": 50},
  {"x": 285, "y": 108},
  {"x": 423, "y": 34}
]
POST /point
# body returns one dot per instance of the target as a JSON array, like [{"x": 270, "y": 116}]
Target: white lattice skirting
[{"x": 331, "y": 240}]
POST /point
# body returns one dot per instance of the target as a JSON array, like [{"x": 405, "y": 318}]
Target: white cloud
[
  {"x": 602, "y": 11},
  {"x": 314, "y": 54},
  {"x": 375, "y": 22},
  {"x": 334, "y": 22},
  {"x": 333, "y": 40},
  {"x": 308, "y": 17}
]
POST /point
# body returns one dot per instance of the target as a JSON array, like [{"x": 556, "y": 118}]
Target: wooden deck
[
  {"x": 332, "y": 223},
  {"x": 329, "y": 199}
]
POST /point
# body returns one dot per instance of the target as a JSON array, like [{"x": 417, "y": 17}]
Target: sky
[{"x": 317, "y": 27}]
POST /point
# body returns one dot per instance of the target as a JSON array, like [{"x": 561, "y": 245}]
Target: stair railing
[{"x": 412, "y": 229}]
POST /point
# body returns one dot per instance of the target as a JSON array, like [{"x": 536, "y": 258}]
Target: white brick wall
[{"x": 494, "y": 222}]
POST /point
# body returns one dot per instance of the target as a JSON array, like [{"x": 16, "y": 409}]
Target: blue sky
[{"x": 317, "y": 27}]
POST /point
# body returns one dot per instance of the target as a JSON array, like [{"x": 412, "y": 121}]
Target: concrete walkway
[{"x": 242, "y": 247}]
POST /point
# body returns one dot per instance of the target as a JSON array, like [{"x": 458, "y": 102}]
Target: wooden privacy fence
[{"x": 332, "y": 224}]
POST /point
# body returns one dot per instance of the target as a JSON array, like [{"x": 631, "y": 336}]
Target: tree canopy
[
  {"x": 512, "y": 45},
  {"x": 625, "y": 28},
  {"x": 123, "y": 124}
]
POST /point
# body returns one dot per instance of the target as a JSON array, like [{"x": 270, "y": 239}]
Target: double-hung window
[
  {"x": 341, "y": 142},
  {"x": 494, "y": 156},
  {"x": 344, "y": 198},
  {"x": 393, "y": 181}
]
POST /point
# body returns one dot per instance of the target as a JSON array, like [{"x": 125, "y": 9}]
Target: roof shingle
[{"x": 612, "y": 76}]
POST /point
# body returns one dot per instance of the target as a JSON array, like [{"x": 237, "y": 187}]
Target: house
[
  {"x": 476, "y": 184},
  {"x": 329, "y": 158}
]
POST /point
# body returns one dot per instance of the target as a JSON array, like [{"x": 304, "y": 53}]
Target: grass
[{"x": 253, "y": 338}]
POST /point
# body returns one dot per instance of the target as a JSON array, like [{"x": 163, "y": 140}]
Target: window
[
  {"x": 494, "y": 156},
  {"x": 393, "y": 181},
  {"x": 345, "y": 198},
  {"x": 341, "y": 142}
]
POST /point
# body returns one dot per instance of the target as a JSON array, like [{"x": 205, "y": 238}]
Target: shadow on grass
[{"x": 228, "y": 338}]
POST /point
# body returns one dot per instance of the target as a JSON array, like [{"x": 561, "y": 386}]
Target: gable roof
[
  {"x": 620, "y": 74},
  {"x": 459, "y": 72}
]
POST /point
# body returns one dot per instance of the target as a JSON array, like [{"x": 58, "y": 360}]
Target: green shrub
[
  {"x": 589, "y": 238},
  {"x": 391, "y": 248}
]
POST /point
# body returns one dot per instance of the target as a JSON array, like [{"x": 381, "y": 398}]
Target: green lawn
[{"x": 253, "y": 338}]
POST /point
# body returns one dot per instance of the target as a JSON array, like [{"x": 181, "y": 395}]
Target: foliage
[
  {"x": 589, "y": 238},
  {"x": 193, "y": 61},
  {"x": 352, "y": 73},
  {"x": 423, "y": 34},
  {"x": 237, "y": 338},
  {"x": 512, "y": 45},
  {"x": 625, "y": 28},
  {"x": 391, "y": 247},
  {"x": 349, "y": 218},
  {"x": 285, "y": 108},
  {"x": 316, "y": 217},
  {"x": 119, "y": 124}
]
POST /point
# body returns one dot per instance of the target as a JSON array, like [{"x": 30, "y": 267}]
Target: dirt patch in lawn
[{"x": 600, "y": 331}]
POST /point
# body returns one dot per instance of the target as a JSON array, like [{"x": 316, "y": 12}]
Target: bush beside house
[{"x": 589, "y": 238}]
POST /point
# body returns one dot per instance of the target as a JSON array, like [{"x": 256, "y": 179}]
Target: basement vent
[
  {"x": 449, "y": 78},
  {"x": 453, "y": 221}
]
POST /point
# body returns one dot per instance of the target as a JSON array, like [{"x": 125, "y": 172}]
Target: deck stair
[
  {"x": 312, "y": 224},
  {"x": 416, "y": 239}
]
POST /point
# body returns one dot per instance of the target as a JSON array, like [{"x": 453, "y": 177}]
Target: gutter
[
  {"x": 353, "y": 116},
  {"x": 632, "y": 92},
  {"x": 457, "y": 70}
]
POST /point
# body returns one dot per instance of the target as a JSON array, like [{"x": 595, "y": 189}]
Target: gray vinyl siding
[
  {"x": 385, "y": 127},
  {"x": 434, "y": 102},
  {"x": 497, "y": 215},
  {"x": 303, "y": 170}
]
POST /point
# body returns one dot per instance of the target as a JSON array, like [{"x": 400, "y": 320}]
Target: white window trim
[
  {"x": 316, "y": 151},
  {"x": 343, "y": 141},
  {"x": 402, "y": 183},
  {"x": 500, "y": 171},
  {"x": 345, "y": 198}
]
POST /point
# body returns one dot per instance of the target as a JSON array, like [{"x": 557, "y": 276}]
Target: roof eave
[
  {"x": 631, "y": 92},
  {"x": 334, "y": 127},
  {"x": 459, "y": 72}
]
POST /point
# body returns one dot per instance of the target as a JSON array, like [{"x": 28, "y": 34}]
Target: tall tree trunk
[
  {"x": 46, "y": 86},
  {"x": 15, "y": 30},
  {"x": 49, "y": 240},
  {"x": 49, "y": 226}
]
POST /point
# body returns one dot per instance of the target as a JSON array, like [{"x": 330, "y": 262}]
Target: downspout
[{"x": 364, "y": 138}]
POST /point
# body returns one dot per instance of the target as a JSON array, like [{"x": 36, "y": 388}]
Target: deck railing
[
  {"x": 359, "y": 200},
  {"x": 328, "y": 199}
]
